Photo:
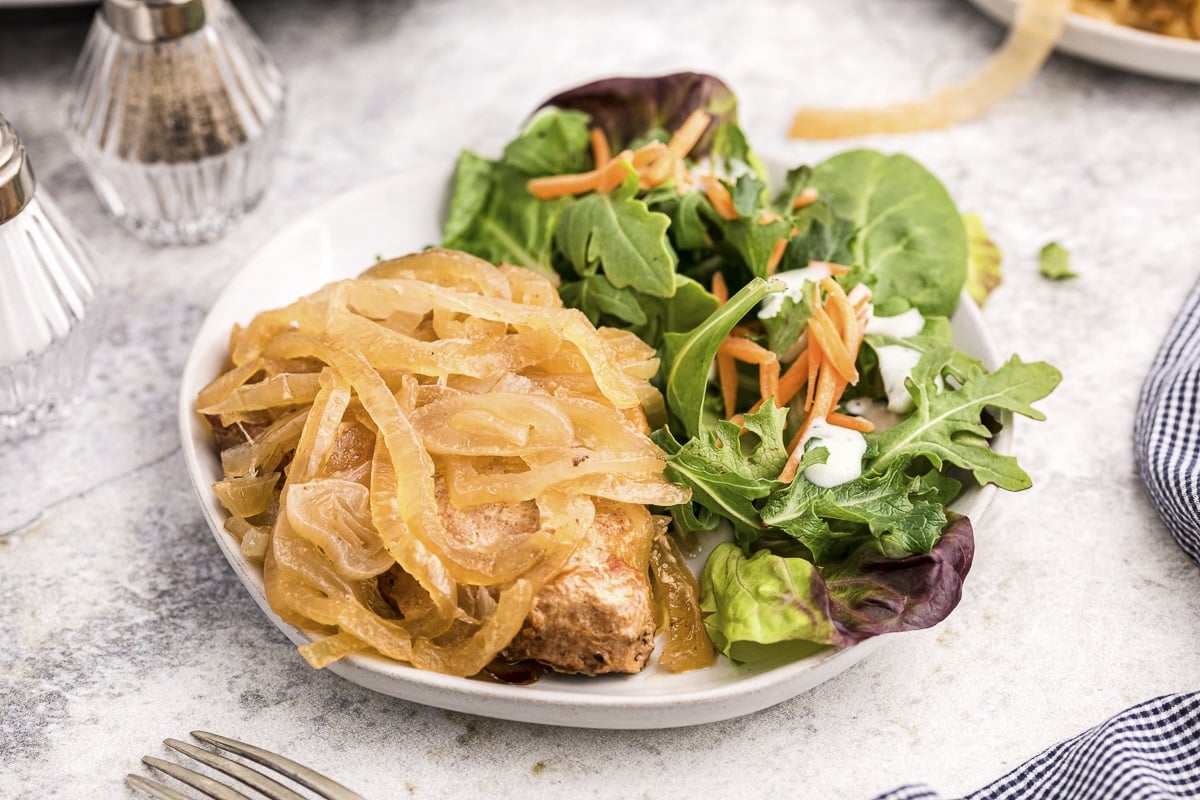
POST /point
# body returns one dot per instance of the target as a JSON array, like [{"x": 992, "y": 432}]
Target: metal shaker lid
[
  {"x": 16, "y": 176},
  {"x": 159, "y": 20}
]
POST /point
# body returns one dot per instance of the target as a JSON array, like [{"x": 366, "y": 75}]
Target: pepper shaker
[
  {"x": 176, "y": 114},
  {"x": 49, "y": 316}
]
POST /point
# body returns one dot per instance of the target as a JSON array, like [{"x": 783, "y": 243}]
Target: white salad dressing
[
  {"x": 846, "y": 451},
  {"x": 896, "y": 364},
  {"x": 901, "y": 326},
  {"x": 795, "y": 279}
]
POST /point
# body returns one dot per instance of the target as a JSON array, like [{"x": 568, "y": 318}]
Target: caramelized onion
[{"x": 409, "y": 410}]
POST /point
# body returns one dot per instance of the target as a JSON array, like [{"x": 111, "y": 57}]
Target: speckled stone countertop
[{"x": 123, "y": 625}]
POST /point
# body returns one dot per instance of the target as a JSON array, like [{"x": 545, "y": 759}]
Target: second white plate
[{"x": 1116, "y": 45}]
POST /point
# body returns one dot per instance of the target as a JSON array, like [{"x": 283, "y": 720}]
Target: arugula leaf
[
  {"x": 911, "y": 240},
  {"x": 983, "y": 260},
  {"x": 879, "y": 505},
  {"x": 688, "y": 356},
  {"x": 619, "y": 233},
  {"x": 746, "y": 237},
  {"x": 763, "y": 598},
  {"x": 785, "y": 327},
  {"x": 946, "y": 426},
  {"x": 1055, "y": 263},
  {"x": 727, "y": 469},
  {"x": 553, "y": 142}
]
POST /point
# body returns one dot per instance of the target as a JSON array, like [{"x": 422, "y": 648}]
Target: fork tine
[
  {"x": 154, "y": 788},
  {"x": 330, "y": 790},
  {"x": 255, "y": 780},
  {"x": 202, "y": 783}
]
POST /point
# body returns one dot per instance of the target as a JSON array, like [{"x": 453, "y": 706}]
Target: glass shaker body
[
  {"x": 49, "y": 305},
  {"x": 177, "y": 131}
]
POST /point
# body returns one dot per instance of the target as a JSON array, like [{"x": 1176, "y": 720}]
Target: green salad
[{"x": 815, "y": 402}]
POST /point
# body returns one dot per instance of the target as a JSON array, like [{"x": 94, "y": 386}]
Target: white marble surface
[{"x": 122, "y": 625}]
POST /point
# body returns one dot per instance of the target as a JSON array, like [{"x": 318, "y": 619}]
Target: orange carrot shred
[
  {"x": 601, "y": 152},
  {"x": 727, "y": 375},
  {"x": 792, "y": 379},
  {"x": 834, "y": 268},
  {"x": 719, "y": 289},
  {"x": 647, "y": 153},
  {"x": 682, "y": 142},
  {"x": 860, "y": 424},
  {"x": 776, "y": 255},
  {"x": 767, "y": 217},
  {"x": 806, "y": 198},
  {"x": 614, "y": 173},
  {"x": 768, "y": 379},
  {"x": 748, "y": 351},
  {"x": 820, "y": 326},
  {"x": 719, "y": 196},
  {"x": 554, "y": 186}
]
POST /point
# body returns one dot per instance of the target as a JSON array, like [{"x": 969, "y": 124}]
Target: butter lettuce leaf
[{"x": 764, "y": 598}]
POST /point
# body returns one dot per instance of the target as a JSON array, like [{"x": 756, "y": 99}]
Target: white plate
[
  {"x": 1116, "y": 45},
  {"x": 391, "y": 217}
]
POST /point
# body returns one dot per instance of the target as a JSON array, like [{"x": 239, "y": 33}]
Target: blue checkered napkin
[
  {"x": 1166, "y": 431},
  {"x": 1148, "y": 752}
]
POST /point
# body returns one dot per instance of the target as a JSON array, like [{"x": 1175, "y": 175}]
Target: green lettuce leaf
[
  {"x": 551, "y": 143},
  {"x": 947, "y": 425},
  {"x": 910, "y": 237},
  {"x": 492, "y": 215},
  {"x": 1055, "y": 263},
  {"x": 688, "y": 356},
  {"x": 764, "y": 599},
  {"x": 620, "y": 233},
  {"x": 602, "y": 302},
  {"x": 728, "y": 468},
  {"x": 881, "y": 506}
]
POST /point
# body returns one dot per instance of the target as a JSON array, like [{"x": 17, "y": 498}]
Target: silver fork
[{"x": 324, "y": 787}]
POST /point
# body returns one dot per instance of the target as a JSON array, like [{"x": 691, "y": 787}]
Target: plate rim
[
  {"x": 1083, "y": 34},
  {"x": 544, "y": 703}
]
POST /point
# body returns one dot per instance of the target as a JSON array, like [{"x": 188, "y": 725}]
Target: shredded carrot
[
  {"x": 601, "y": 152},
  {"x": 768, "y": 380},
  {"x": 829, "y": 389},
  {"x": 727, "y": 376},
  {"x": 682, "y": 142},
  {"x": 776, "y": 255},
  {"x": 792, "y": 379},
  {"x": 554, "y": 186},
  {"x": 860, "y": 424},
  {"x": 719, "y": 196},
  {"x": 806, "y": 198},
  {"x": 767, "y": 217},
  {"x": 614, "y": 173},
  {"x": 719, "y": 289},
  {"x": 647, "y": 153},
  {"x": 815, "y": 357},
  {"x": 683, "y": 181},
  {"x": 821, "y": 329},
  {"x": 748, "y": 351}
]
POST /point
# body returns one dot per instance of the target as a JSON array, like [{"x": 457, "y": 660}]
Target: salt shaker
[
  {"x": 176, "y": 114},
  {"x": 49, "y": 316}
]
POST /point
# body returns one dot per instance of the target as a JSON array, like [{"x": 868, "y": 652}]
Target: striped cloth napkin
[{"x": 1150, "y": 751}]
